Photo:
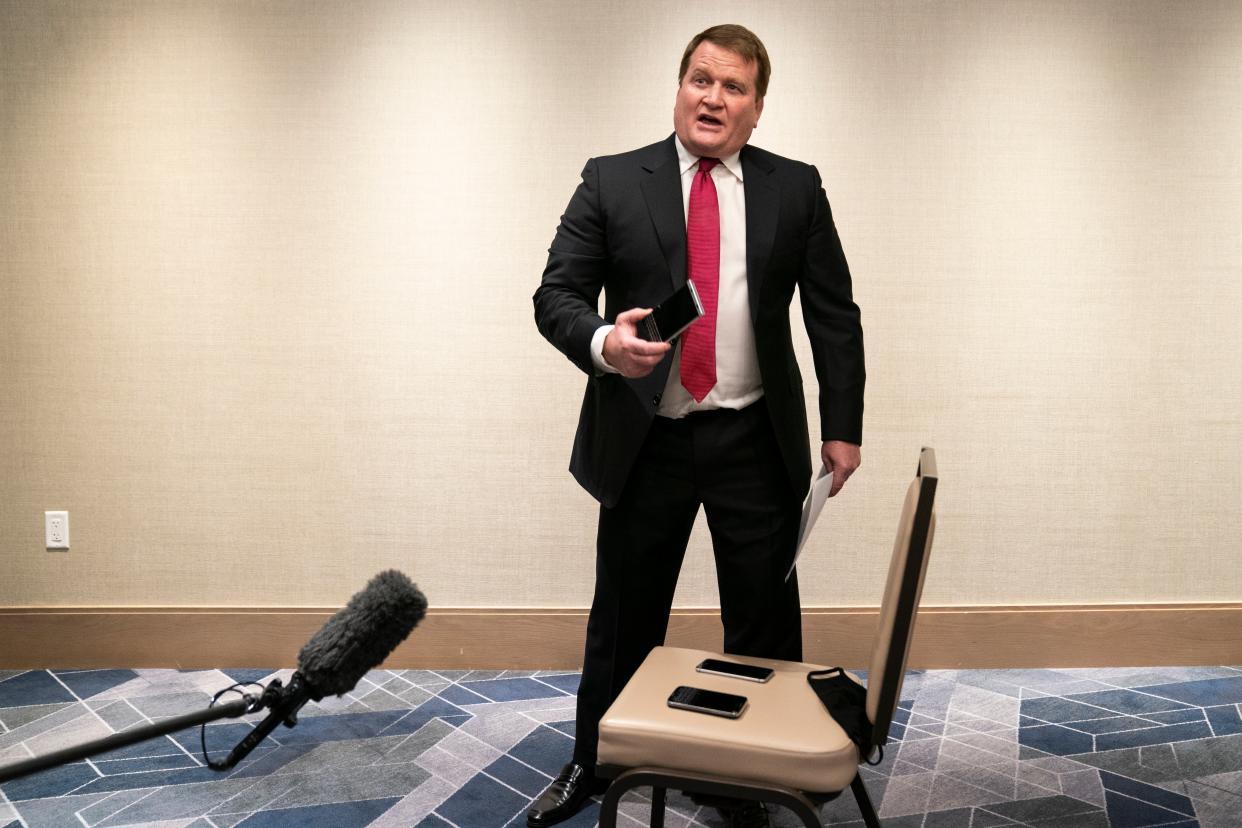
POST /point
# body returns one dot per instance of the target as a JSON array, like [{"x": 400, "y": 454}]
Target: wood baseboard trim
[{"x": 1133, "y": 635}]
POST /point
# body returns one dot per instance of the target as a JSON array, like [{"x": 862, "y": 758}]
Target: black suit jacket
[{"x": 624, "y": 232}]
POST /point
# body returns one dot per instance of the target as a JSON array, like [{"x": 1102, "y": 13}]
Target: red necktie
[{"x": 698, "y": 343}]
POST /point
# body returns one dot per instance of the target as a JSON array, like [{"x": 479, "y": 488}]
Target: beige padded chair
[{"x": 785, "y": 749}]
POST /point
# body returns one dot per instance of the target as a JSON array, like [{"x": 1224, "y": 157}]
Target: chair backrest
[{"x": 901, "y": 598}]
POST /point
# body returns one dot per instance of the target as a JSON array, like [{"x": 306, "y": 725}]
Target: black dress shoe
[{"x": 564, "y": 797}]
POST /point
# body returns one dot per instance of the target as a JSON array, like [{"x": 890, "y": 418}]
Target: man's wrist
[{"x": 597, "y": 350}]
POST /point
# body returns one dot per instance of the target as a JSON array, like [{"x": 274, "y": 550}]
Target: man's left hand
[{"x": 842, "y": 459}]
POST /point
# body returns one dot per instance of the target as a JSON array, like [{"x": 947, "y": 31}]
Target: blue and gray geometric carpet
[{"x": 435, "y": 749}]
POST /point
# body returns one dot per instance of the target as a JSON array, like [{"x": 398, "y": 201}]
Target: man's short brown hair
[{"x": 737, "y": 39}]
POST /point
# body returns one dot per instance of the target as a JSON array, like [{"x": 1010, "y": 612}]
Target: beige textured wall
[{"x": 265, "y": 271}]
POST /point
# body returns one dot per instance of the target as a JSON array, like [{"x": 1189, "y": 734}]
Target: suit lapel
[
  {"x": 762, "y": 211},
  {"x": 662, "y": 191}
]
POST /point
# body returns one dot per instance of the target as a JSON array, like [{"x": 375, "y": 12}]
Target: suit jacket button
[{"x": 656, "y": 399}]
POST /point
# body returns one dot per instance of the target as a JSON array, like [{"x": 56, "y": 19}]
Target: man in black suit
[{"x": 719, "y": 418}]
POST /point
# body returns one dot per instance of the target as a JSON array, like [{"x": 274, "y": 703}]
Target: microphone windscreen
[{"x": 360, "y": 636}]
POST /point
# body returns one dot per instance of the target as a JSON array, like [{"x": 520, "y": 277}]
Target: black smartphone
[
  {"x": 734, "y": 670},
  {"x": 707, "y": 701},
  {"x": 672, "y": 316}
]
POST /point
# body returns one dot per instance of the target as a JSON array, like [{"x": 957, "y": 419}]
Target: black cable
[{"x": 202, "y": 731}]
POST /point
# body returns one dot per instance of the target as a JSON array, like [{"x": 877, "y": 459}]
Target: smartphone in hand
[{"x": 672, "y": 316}]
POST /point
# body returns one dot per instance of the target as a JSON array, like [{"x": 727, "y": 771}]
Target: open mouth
[{"x": 710, "y": 121}]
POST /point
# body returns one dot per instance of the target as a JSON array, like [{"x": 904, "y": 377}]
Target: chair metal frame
[{"x": 805, "y": 804}]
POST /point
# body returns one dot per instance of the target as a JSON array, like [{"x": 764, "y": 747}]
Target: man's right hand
[{"x": 623, "y": 350}]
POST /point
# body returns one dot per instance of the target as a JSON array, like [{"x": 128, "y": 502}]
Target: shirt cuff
[{"x": 597, "y": 350}]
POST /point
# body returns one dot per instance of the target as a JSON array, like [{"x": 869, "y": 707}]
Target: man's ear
[{"x": 758, "y": 110}]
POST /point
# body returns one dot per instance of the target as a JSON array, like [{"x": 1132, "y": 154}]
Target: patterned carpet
[{"x": 976, "y": 749}]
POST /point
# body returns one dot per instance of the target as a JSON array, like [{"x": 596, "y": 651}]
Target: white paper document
[{"x": 810, "y": 511}]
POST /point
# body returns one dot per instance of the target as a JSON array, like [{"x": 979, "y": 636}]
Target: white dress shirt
[{"x": 737, "y": 365}]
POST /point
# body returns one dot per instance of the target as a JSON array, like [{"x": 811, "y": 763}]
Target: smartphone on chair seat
[
  {"x": 733, "y": 669},
  {"x": 707, "y": 701}
]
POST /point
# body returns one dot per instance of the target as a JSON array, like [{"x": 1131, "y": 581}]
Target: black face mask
[{"x": 846, "y": 701}]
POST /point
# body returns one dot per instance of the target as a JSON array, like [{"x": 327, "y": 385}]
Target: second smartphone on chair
[
  {"x": 708, "y": 701},
  {"x": 733, "y": 669}
]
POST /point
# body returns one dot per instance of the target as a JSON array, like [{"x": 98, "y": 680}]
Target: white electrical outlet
[{"x": 57, "y": 525}]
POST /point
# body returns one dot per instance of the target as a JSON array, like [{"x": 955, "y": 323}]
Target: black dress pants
[{"x": 728, "y": 462}]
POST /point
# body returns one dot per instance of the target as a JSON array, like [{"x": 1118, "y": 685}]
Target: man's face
[{"x": 716, "y": 108}]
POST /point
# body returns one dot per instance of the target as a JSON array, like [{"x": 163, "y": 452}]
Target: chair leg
[
  {"x": 657, "y": 807},
  {"x": 660, "y": 781},
  {"x": 864, "y": 802},
  {"x": 612, "y": 801},
  {"x": 627, "y": 782}
]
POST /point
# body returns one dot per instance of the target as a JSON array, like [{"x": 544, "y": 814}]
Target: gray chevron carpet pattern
[{"x": 1127, "y": 748}]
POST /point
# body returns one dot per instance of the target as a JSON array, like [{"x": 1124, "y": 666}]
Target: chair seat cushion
[{"x": 785, "y": 737}]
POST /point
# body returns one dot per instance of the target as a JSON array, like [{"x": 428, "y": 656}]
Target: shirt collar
[{"x": 732, "y": 163}]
